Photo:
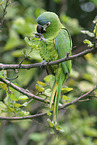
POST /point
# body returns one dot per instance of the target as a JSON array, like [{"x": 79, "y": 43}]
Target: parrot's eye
[
  {"x": 40, "y": 29},
  {"x": 48, "y": 24}
]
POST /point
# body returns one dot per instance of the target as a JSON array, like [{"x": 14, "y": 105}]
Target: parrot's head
[{"x": 48, "y": 24}]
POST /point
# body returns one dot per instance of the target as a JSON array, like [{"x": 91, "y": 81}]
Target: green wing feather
[{"x": 63, "y": 46}]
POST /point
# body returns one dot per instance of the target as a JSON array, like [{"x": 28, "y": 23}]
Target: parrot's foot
[
  {"x": 39, "y": 35},
  {"x": 42, "y": 64},
  {"x": 67, "y": 54}
]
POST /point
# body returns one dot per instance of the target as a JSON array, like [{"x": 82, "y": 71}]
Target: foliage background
[{"x": 78, "y": 121}]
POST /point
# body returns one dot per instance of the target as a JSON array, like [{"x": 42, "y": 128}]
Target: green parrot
[{"x": 55, "y": 43}]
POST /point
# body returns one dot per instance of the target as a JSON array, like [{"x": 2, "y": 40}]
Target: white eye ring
[{"x": 48, "y": 24}]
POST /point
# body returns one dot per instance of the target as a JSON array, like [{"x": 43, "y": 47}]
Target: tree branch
[
  {"x": 29, "y": 66},
  {"x": 23, "y": 91},
  {"x": 42, "y": 114}
]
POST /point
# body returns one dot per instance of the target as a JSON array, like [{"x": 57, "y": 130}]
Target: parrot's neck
[{"x": 53, "y": 31}]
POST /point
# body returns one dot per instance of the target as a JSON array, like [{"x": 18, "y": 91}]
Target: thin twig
[
  {"x": 42, "y": 114},
  {"x": 4, "y": 11}
]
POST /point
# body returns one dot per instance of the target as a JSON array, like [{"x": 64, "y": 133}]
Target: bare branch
[
  {"x": 42, "y": 114},
  {"x": 29, "y": 66}
]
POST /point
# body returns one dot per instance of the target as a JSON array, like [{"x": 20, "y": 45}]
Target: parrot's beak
[{"x": 42, "y": 29}]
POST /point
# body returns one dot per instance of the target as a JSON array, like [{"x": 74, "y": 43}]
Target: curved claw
[{"x": 39, "y": 35}]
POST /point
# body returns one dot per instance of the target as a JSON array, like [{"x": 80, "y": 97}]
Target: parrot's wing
[{"x": 63, "y": 45}]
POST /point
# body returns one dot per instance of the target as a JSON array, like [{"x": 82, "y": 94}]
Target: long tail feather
[
  {"x": 57, "y": 98},
  {"x": 53, "y": 93}
]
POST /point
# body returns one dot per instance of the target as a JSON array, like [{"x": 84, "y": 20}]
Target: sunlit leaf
[
  {"x": 48, "y": 92},
  {"x": 65, "y": 98},
  {"x": 85, "y": 86},
  {"x": 1, "y": 2},
  {"x": 2, "y": 105},
  {"x": 17, "y": 105},
  {"x": 3, "y": 86},
  {"x": 32, "y": 42},
  {"x": 90, "y": 44},
  {"x": 49, "y": 113},
  {"x": 23, "y": 113},
  {"x": 25, "y": 104},
  {"x": 59, "y": 128},
  {"x": 88, "y": 33},
  {"x": 23, "y": 97},
  {"x": 41, "y": 83},
  {"x": 50, "y": 122},
  {"x": 48, "y": 78},
  {"x": 65, "y": 90},
  {"x": 39, "y": 88},
  {"x": 95, "y": 29}
]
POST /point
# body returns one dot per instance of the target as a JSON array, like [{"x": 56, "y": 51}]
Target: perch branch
[{"x": 29, "y": 66}]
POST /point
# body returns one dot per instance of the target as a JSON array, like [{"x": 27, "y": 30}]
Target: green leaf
[
  {"x": 24, "y": 27},
  {"x": 50, "y": 122},
  {"x": 95, "y": 29},
  {"x": 92, "y": 132},
  {"x": 48, "y": 78},
  {"x": 3, "y": 86},
  {"x": 48, "y": 92},
  {"x": 66, "y": 90},
  {"x": 1, "y": 2},
  {"x": 25, "y": 104},
  {"x": 23, "y": 97},
  {"x": 2, "y": 105},
  {"x": 65, "y": 98},
  {"x": 94, "y": 2},
  {"x": 49, "y": 113},
  {"x": 59, "y": 128},
  {"x": 23, "y": 113},
  {"x": 86, "y": 41},
  {"x": 39, "y": 88},
  {"x": 13, "y": 40},
  {"x": 17, "y": 105},
  {"x": 17, "y": 53},
  {"x": 85, "y": 86},
  {"x": 32, "y": 42},
  {"x": 41, "y": 83},
  {"x": 88, "y": 33},
  {"x": 37, "y": 137}
]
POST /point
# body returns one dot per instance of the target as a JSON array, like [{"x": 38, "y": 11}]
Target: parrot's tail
[{"x": 55, "y": 97}]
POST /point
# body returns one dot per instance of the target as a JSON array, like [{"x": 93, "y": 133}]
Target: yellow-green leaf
[
  {"x": 41, "y": 83},
  {"x": 49, "y": 113},
  {"x": 1, "y": 2},
  {"x": 50, "y": 123},
  {"x": 65, "y": 98},
  {"x": 3, "y": 86},
  {"x": 2, "y": 105},
  {"x": 90, "y": 44},
  {"x": 39, "y": 88},
  {"x": 88, "y": 33},
  {"x": 23, "y": 97},
  {"x": 17, "y": 105},
  {"x": 65, "y": 90}
]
